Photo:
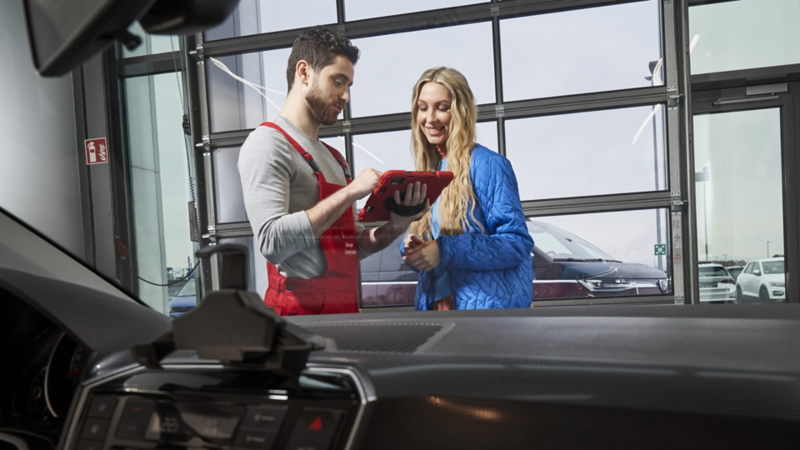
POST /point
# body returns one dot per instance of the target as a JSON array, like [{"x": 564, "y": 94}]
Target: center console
[{"x": 217, "y": 408}]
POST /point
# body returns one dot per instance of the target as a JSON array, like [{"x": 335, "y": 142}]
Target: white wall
[{"x": 38, "y": 156}]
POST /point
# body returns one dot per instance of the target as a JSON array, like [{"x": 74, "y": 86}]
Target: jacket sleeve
[{"x": 506, "y": 242}]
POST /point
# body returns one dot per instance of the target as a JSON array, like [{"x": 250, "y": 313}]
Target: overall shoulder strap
[
  {"x": 339, "y": 158},
  {"x": 307, "y": 156}
]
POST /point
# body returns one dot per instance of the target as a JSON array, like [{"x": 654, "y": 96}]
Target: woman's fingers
[{"x": 416, "y": 239}]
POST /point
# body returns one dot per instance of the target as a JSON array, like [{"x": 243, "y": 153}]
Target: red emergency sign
[{"x": 96, "y": 151}]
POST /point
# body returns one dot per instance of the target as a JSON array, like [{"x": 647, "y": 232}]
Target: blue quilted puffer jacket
[{"x": 492, "y": 269}]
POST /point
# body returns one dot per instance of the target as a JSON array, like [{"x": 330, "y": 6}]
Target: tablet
[{"x": 381, "y": 202}]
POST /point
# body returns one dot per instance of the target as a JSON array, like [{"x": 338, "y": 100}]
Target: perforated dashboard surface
[{"x": 622, "y": 377}]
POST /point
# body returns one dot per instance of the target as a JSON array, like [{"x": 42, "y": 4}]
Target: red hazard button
[{"x": 315, "y": 428}]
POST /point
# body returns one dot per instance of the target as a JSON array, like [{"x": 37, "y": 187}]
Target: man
[{"x": 297, "y": 190}]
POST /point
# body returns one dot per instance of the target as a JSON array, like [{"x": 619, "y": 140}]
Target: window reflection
[
  {"x": 575, "y": 52},
  {"x": 265, "y": 16},
  {"x": 594, "y": 153},
  {"x": 377, "y": 90},
  {"x": 753, "y": 34}
]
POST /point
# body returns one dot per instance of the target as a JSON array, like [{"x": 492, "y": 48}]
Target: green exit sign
[{"x": 661, "y": 249}]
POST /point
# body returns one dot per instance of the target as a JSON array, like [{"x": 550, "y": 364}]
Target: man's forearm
[
  {"x": 377, "y": 239},
  {"x": 327, "y": 211}
]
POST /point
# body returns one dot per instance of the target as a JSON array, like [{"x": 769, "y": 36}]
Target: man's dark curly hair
[{"x": 318, "y": 47}]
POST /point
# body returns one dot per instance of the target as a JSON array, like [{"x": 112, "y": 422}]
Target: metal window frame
[{"x": 493, "y": 11}]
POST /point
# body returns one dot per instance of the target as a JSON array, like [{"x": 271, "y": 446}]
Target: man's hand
[
  {"x": 423, "y": 257},
  {"x": 416, "y": 194},
  {"x": 365, "y": 183}
]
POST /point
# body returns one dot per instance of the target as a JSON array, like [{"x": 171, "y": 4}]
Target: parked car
[
  {"x": 185, "y": 301},
  {"x": 716, "y": 283},
  {"x": 564, "y": 265},
  {"x": 735, "y": 271},
  {"x": 567, "y": 266},
  {"x": 764, "y": 279}
]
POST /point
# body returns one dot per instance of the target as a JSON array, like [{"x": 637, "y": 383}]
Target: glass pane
[
  {"x": 365, "y": 9},
  {"x": 160, "y": 187},
  {"x": 575, "y": 52},
  {"x": 595, "y": 153},
  {"x": 739, "y": 204},
  {"x": 234, "y": 106},
  {"x": 600, "y": 255},
  {"x": 151, "y": 43},
  {"x": 266, "y": 16},
  {"x": 228, "y": 186},
  {"x": 744, "y": 34},
  {"x": 382, "y": 152},
  {"x": 377, "y": 90},
  {"x": 486, "y": 135},
  {"x": 582, "y": 256}
]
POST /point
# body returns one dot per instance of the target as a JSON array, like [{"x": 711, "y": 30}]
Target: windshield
[
  {"x": 773, "y": 267},
  {"x": 557, "y": 190},
  {"x": 188, "y": 290},
  {"x": 561, "y": 244}
]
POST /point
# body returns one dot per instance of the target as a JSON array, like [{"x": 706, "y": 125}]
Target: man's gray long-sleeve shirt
[{"x": 279, "y": 186}]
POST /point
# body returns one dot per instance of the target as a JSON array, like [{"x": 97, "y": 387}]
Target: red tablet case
[{"x": 398, "y": 180}]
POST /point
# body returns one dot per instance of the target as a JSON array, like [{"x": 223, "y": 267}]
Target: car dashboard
[{"x": 578, "y": 377}]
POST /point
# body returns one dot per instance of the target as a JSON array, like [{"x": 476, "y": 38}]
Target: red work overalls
[{"x": 336, "y": 290}]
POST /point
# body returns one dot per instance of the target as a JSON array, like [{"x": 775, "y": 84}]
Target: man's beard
[{"x": 323, "y": 111}]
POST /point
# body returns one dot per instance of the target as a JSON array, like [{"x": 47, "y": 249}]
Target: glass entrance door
[{"x": 739, "y": 206}]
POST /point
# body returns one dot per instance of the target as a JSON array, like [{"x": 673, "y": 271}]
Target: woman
[{"x": 472, "y": 250}]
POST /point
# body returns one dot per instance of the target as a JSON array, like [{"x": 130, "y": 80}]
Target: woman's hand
[
  {"x": 422, "y": 256},
  {"x": 412, "y": 241}
]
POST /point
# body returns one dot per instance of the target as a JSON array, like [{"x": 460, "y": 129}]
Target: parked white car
[
  {"x": 716, "y": 284},
  {"x": 764, "y": 279}
]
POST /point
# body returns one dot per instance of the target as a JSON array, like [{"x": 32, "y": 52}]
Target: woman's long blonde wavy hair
[{"x": 458, "y": 199}]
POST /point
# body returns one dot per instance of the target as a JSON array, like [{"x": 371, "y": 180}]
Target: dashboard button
[
  {"x": 102, "y": 407},
  {"x": 264, "y": 417},
  {"x": 314, "y": 429},
  {"x": 90, "y": 445},
  {"x": 131, "y": 428},
  {"x": 138, "y": 408},
  {"x": 95, "y": 429},
  {"x": 255, "y": 439}
]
